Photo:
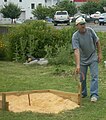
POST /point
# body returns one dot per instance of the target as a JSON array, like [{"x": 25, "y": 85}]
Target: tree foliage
[
  {"x": 92, "y": 7},
  {"x": 41, "y": 11},
  {"x": 102, "y": 4},
  {"x": 69, "y": 6},
  {"x": 89, "y": 7},
  {"x": 11, "y": 11}
]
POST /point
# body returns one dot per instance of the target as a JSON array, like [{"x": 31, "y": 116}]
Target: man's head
[{"x": 80, "y": 23}]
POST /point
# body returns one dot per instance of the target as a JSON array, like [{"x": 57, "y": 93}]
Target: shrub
[
  {"x": 102, "y": 36},
  {"x": 63, "y": 50},
  {"x": 2, "y": 49},
  {"x": 27, "y": 38},
  {"x": 38, "y": 39}
]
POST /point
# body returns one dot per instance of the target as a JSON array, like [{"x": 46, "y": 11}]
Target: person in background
[
  {"x": 87, "y": 51},
  {"x": 29, "y": 58}
]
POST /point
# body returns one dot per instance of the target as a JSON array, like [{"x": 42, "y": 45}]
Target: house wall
[{"x": 51, "y": 2}]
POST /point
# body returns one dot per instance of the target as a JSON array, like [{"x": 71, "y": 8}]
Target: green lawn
[{"x": 19, "y": 77}]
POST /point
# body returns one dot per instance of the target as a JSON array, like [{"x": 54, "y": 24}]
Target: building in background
[{"x": 28, "y": 5}]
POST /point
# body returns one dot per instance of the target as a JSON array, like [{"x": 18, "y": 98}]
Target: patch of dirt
[{"x": 39, "y": 102}]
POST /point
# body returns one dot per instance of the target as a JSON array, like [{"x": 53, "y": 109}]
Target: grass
[{"x": 18, "y": 77}]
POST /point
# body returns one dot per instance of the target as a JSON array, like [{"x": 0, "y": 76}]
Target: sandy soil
[{"x": 39, "y": 102}]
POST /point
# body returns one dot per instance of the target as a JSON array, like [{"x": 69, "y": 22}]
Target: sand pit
[{"x": 39, "y": 102}]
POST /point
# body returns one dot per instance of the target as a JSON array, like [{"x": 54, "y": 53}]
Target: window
[
  {"x": 5, "y": 0},
  {"x": 20, "y": 0},
  {"x": 32, "y": 6},
  {"x": 40, "y": 4},
  {"x": 61, "y": 13},
  {"x": 45, "y": 1}
]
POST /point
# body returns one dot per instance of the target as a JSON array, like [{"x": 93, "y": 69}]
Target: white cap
[{"x": 80, "y": 20}]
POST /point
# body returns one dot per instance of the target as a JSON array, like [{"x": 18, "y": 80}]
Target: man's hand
[{"x": 77, "y": 71}]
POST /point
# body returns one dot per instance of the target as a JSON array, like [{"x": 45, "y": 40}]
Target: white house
[{"x": 27, "y": 6}]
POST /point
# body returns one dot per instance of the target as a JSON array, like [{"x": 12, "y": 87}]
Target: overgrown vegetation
[
  {"x": 2, "y": 49},
  {"x": 102, "y": 36},
  {"x": 38, "y": 39}
]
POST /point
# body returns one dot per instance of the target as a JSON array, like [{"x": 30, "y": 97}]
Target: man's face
[{"x": 81, "y": 27}]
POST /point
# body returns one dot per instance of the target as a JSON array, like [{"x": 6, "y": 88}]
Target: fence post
[{"x": 4, "y": 106}]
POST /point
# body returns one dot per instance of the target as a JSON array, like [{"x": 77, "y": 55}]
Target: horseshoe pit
[{"x": 40, "y": 101}]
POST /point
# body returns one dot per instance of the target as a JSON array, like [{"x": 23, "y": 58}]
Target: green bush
[
  {"x": 102, "y": 36},
  {"x": 2, "y": 49},
  {"x": 38, "y": 39},
  {"x": 27, "y": 38},
  {"x": 63, "y": 49},
  {"x": 63, "y": 56},
  {"x": 41, "y": 40}
]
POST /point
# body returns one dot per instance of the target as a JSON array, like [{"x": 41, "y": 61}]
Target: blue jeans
[{"x": 94, "y": 79}]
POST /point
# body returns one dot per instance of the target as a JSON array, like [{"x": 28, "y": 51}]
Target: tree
[
  {"x": 68, "y": 6},
  {"x": 102, "y": 4},
  {"x": 92, "y": 7},
  {"x": 40, "y": 12},
  {"x": 89, "y": 7},
  {"x": 11, "y": 11}
]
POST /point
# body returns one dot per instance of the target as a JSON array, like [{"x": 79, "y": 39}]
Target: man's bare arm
[{"x": 77, "y": 60}]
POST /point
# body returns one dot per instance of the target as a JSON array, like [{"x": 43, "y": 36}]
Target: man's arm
[
  {"x": 99, "y": 51},
  {"x": 77, "y": 60}
]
